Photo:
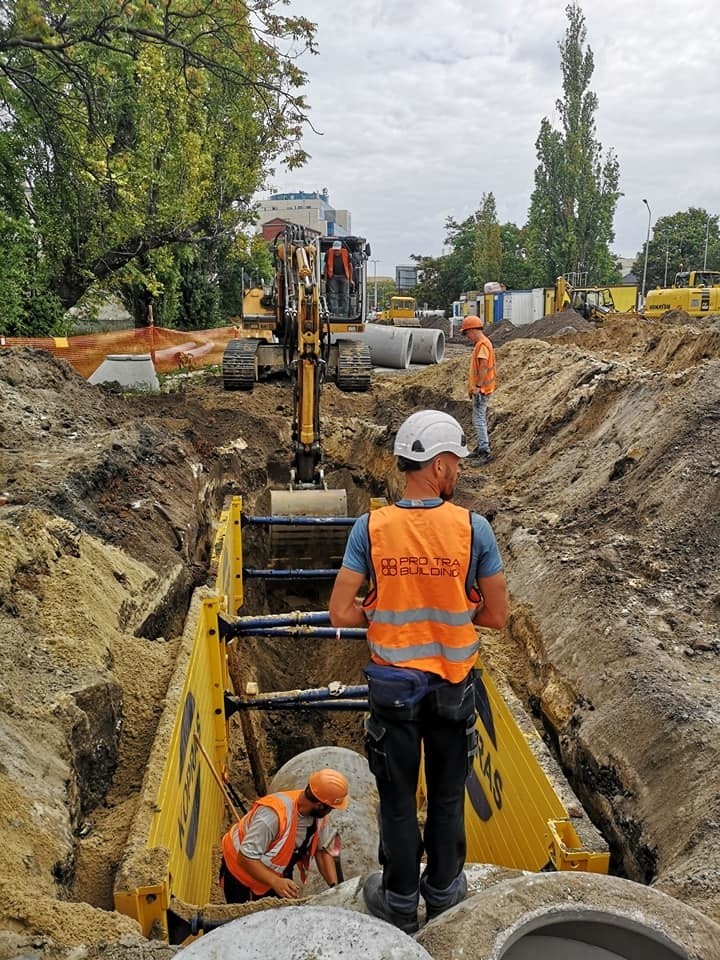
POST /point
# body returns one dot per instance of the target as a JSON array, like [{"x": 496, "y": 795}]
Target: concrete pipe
[
  {"x": 288, "y": 933},
  {"x": 357, "y": 826},
  {"x": 389, "y": 346},
  {"x": 428, "y": 346},
  {"x": 564, "y": 916}
]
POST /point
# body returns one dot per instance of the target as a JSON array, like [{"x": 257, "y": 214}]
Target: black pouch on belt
[{"x": 395, "y": 687}]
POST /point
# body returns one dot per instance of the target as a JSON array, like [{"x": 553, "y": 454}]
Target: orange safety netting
[{"x": 169, "y": 349}]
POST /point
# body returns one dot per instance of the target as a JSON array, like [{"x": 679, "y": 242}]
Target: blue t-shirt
[{"x": 485, "y": 560}]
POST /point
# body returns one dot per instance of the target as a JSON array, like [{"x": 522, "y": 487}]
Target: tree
[
  {"x": 240, "y": 264},
  {"x": 143, "y": 124},
  {"x": 576, "y": 189},
  {"x": 515, "y": 272},
  {"x": 480, "y": 251},
  {"x": 677, "y": 244}
]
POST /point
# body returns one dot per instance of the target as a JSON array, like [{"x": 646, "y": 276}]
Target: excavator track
[
  {"x": 354, "y": 366},
  {"x": 239, "y": 364}
]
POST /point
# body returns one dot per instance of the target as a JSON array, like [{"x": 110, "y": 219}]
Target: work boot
[
  {"x": 376, "y": 900},
  {"x": 479, "y": 458},
  {"x": 438, "y": 901}
]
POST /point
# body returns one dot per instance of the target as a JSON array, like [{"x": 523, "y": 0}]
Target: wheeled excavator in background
[
  {"x": 592, "y": 303},
  {"x": 303, "y": 339},
  {"x": 696, "y": 292}
]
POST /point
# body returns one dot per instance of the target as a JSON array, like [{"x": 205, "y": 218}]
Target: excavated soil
[{"x": 604, "y": 497}]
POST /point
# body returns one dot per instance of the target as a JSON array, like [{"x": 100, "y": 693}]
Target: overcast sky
[{"x": 424, "y": 105}]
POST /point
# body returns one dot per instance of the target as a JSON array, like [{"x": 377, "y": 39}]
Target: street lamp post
[
  {"x": 375, "y": 263},
  {"x": 707, "y": 234},
  {"x": 647, "y": 245}
]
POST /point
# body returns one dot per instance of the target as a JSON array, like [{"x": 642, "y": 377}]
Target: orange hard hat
[
  {"x": 329, "y": 787},
  {"x": 471, "y": 323}
]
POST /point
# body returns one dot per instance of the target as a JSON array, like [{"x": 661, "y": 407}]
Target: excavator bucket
[{"x": 309, "y": 537}]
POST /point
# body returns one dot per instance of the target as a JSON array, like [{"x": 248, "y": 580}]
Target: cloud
[{"x": 423, "y": 107}]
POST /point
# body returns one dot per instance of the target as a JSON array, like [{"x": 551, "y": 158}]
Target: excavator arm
[{"x": 299, "y": 310}]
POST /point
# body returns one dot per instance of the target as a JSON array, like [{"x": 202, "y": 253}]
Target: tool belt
[{"x": 395, "y": 687}]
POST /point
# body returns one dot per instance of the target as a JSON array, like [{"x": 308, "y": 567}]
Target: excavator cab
[
  {"x": 345, "y": 258},
  {"x": 592, "y": 303}
]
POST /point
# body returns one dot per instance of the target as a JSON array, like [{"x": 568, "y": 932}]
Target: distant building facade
[
  {"x": 406, "y": 278},
  {"x": 312, "y": 210}
]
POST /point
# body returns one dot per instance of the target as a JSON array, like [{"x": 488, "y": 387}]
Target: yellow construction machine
[
  {"x": 289, "y": 322},
  {"x": 402, "y": 312},
  {"x": 296, "y": 333},
  {"x": 592, "y": 303},
  {"x": 696, "y": 292}
]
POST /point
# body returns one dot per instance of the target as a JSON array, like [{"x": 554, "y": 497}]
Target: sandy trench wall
[{"x": 62, "y": 719}]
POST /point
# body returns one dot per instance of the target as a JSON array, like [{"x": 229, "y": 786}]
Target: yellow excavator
[
  {"x": 290, "y": 319},
  {"x": 293, "y": 331},
  {"x": 696, "y": 292}
]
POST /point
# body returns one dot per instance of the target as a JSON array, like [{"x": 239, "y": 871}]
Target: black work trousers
[
  {"x": 443, "y": 722},
  {"x": 235, "y": 890}
]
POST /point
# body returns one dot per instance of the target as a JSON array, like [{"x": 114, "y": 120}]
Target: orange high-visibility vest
[
  {"x": 482, "y": 350},
  {"x": 419, "y": 612},
  {"x": 330, "y": 263},
  {"x": 280, "y": 852}
]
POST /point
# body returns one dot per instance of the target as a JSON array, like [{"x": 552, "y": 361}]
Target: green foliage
[
  {"x": 141, "y": 125},
  {"x": 241, "y": 263},
  {"x": 515, "y": 272},
  {"x": 29, "y": 308},
  {"x": 576, "y": 189},
  {"x": 480, "y": 251},
  {"x": 677, "y": 243}
]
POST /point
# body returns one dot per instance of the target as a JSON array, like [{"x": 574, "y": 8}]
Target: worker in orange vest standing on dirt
[
  {"x": 435, "y": 574},
  {"x": 339, "y": 279},
  {"x": 279, "y": 832},
  {"x": 481, "y": 383}
]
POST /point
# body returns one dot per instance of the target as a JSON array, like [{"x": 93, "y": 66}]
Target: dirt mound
[{"x": 604, "y": 497}]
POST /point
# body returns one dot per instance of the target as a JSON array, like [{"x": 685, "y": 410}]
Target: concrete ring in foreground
[
  {"x": 583, "y": 916},
  {"x": 291, "y": 933}
]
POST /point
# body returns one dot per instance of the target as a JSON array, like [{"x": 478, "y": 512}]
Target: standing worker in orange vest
[
  {"x": 339, "y": 279},
  {"x": 436, "y": 574},
  {"x": 279, "y": 832},
  {"x": 481, "y": 383}
]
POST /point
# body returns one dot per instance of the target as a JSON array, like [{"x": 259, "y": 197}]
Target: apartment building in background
[{"x": 307, "y": 209}]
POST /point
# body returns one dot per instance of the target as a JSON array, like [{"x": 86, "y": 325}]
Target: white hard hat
[
  {"x": 427, "y": 433},
  {"x": 336, "y": 244}
]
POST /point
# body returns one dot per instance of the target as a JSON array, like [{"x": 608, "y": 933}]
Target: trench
[{"x": 288, "y": 664}]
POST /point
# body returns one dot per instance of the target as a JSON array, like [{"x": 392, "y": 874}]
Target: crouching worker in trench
[
  {"x": 435, "y": 574},
  {"x": 279, "y": 832}
]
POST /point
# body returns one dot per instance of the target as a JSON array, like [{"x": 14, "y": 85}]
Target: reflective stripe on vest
[
  {"x": 419, "y": 612},
  {"x": 279, "y": 854},
  {"x": 483, "y": 350}
]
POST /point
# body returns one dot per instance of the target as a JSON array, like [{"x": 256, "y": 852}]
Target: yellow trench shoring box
[
  {"x": 516, "y": 799},
  {"x": 174, "y": 836},
  {"x": 516, "y": 806}
]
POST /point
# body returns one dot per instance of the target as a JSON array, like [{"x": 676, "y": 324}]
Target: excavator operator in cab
[
  {"x": 279, "y": 832},
  {"x": 339, "y": 279}
]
